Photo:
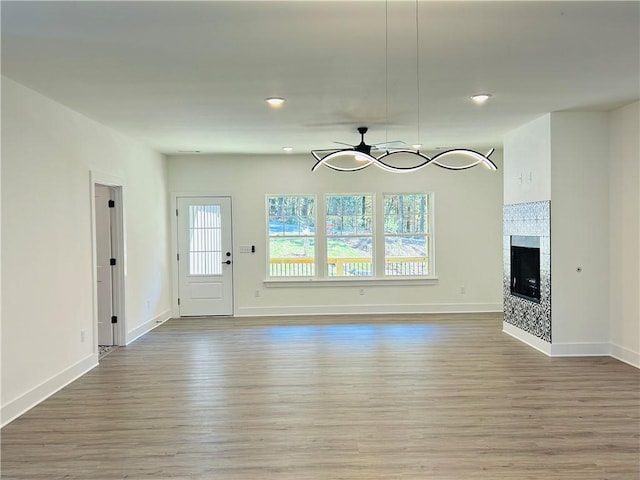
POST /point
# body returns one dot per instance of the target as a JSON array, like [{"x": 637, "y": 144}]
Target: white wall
[
  {"x": 527, "y": 166},
  {"x": 48, "y": 152},
  {"x": 579, "y": 228},
  {"x": 468, "y": 232},
  {"x": 624, "y": 195}
]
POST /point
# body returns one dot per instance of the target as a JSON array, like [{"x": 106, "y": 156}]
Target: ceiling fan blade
[
  {"x": 328, "y": 149},
  {"x": 392, "y": 142}
]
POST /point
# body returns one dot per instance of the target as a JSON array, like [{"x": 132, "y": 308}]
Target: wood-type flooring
[{"x": 446, "y": 397}]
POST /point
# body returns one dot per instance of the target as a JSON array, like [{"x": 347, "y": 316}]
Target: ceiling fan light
[
  {"x": 275, "y": 102},
  {"x": 361, "y": 156},
  {"x": 417, "y": 146},
  {"x": 287, "y": 149},
  {"x": 480, "y": 98}
]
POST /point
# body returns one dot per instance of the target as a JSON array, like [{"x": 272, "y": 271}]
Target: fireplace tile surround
[{"x": 528, "y": 219}]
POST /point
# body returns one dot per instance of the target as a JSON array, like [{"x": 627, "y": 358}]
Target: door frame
[
  {"x": 175, "y": 274},
  {"x": 118, "y": 248}
]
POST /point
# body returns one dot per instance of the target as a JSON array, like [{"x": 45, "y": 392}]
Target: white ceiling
[{"x": 194, "y": 75}]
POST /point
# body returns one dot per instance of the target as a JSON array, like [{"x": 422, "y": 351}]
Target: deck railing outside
[{"x": 348, "y": 267}]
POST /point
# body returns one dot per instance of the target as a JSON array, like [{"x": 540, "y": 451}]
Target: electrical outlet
[
  {"x": 83, "y": 335},
  {"x": 362, "y": 291},
  {"x": 462, "y": 290},
  {"x": 257, "y": 293}
]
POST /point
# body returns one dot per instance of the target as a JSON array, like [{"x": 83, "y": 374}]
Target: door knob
[{"x": 228, "y": 262}]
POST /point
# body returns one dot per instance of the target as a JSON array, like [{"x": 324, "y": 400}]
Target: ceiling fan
[
  {"x": 362, "y": 147},
  {"x": 362, "y": 153}
]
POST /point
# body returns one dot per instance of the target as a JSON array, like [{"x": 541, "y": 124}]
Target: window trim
[
  {"x": 269, "y": 237},
  {"x": 378, "y": 277},
  {"x": 372, "y": 235},
  {"x": 430, "y": 235},
  {"x": 352, "y": 281}
]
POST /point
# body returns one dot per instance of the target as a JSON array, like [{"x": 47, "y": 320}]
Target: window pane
[
  {"x": 291, "y": 257},
  {"x": 334, "y": 225},
  {"x": 301, "y": 247},
  {"x": 406, "y": 255},
  {"x": 291, "y": 215},
  {"x": 334, "y": 205},
  {"x": 276, "y": 226},
  {"x": 205, "y": 263},
  {"x": 349, "y": 206},
  {"x": 406, "y": 213},
  {"x": 349, "y": 256},
  {"x": 349, "y": 214},
  {"x": 205, "y": 240},
  {"x": 349, "y": 227},
  {"x": 291, "y": 235},
  {"x": 406, "y": 225},
  {"x": 354, "y": 225}
]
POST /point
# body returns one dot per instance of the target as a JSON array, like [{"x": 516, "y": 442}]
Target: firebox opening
[{"x": 525, "y": 267}]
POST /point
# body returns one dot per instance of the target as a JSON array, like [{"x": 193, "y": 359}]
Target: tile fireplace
[{"x": 527, "y": 267}]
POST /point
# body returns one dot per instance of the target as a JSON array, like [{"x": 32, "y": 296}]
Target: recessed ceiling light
[
  {"x": 480, "y": 98},
  {"x": 275, "y": 101},
  {"x": 287, "y": 149}
]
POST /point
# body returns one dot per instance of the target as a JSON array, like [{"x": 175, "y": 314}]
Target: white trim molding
[
  {"x": 349, "y": 282},
  {"x": 173, "y": 224},
  {"x": 369, "y": 309},
  {"x": 18, "y": 406},
  {"x": 625, "y": 355},
  {"x": 525, "y": 337},
  {"x": 147, "y": 326},
  {"x": 587, "y": 349},
  {"x": 591, "y": 349},
  {"x": 119, "y": 251}
]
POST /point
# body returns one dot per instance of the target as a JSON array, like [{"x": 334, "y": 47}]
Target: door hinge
[
  {"x": 178, "y": 256},
  {"x": 114, "y": 319},
  {"x": 178, "y": 301},
  {"x": 176, "y": 212},
  {"x": 112, "y": 261},
  {"x": 112, "y": 203}
]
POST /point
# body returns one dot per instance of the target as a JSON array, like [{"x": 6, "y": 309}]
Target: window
[
  {"x": 359, "y": 236},
  {"x": 406, "y": 234},
  {"x": 349, "y": 227},
  {"x": 292, "y": 221},
  {"x": 205, "y": 246}
]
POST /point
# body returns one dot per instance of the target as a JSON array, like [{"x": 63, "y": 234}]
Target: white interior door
[
  {"x": 205, "y": 263},
  {"x": 103, "y": 265}
]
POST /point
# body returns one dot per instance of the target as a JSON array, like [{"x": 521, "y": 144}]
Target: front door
[{"x": 205, "y": 268}]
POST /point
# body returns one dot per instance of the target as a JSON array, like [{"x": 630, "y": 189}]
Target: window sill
[{"x": 356, "y": 282}]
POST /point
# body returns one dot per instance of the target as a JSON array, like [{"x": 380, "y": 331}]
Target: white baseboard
[
  {"x": 33, "y": 397},
  {"x": 590, "y": 349},
  {"x": 625, "y": 355},
  {"x": 526, "y": 337},
  {"x": 593, "y": 349},
  {"x": 147, "y": 326},
  {"x": 368, "y": 309}
]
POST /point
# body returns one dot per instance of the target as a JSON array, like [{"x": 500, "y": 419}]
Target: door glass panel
[{"x": 205, "y": 240}]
